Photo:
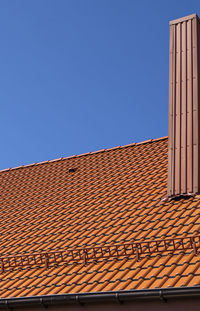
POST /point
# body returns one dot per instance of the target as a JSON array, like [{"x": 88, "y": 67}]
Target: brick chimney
[{"x": 184, "y": 107}]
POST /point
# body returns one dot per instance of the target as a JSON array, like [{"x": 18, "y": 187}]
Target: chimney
[{"x": 184, "y": 107}]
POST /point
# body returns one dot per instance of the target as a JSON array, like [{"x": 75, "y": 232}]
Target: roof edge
[
  {"x": 83, "y": 154},
  {"x": 96, "y": 297}
]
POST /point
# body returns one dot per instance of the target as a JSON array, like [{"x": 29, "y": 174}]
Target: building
[{"x": 114, "y": 229}]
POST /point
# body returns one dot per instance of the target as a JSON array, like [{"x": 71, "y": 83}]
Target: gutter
[{"x": 163, "y": 294}]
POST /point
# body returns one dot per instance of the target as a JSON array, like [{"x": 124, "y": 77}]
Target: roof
[{"x": 96, "y": 222}]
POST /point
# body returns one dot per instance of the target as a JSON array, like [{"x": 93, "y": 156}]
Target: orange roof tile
[{"x": 112, "y": 199}]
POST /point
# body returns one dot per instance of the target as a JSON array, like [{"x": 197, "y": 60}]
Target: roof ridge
[{"x": 84, "y": 154}]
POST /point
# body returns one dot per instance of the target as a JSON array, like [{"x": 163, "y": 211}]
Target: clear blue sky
[{"x": 82, "y": 75}]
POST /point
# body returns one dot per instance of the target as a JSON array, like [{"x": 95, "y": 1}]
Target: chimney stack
[{"x": 184, "y": 107}]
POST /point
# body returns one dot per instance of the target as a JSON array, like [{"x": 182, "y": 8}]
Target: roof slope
[{"x": 112, "y": 197}]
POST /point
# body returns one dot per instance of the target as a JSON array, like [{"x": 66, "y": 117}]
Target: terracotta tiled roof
[{"x": 66, "y": 210}]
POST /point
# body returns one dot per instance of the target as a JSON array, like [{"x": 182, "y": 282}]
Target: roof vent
[{"x": 71, "y": 170}]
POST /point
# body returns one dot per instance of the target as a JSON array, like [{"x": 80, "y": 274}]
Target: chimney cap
[{"x": 183, "y": 19}]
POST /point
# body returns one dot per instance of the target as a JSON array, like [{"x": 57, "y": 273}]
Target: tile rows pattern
[{"x": 112, "y": 197}]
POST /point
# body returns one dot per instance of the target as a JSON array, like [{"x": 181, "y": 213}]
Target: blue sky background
[{"x": 82, "y": 75}]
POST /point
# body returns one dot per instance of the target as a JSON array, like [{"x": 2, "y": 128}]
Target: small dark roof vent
[{"x": 72, "y": 170}]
